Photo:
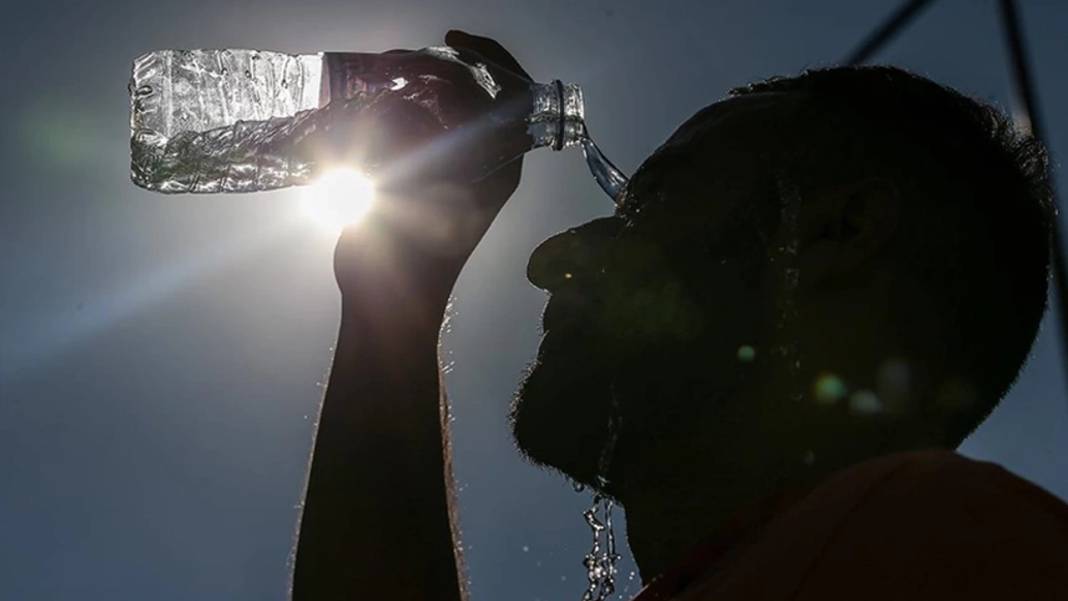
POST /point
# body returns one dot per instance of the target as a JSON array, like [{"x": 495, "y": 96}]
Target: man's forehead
[
  {"x": 720, "y": 139},
  {"x": 746, "y": 110}
]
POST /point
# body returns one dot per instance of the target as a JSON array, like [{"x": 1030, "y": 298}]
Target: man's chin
[{"x": 559, "y": 416}]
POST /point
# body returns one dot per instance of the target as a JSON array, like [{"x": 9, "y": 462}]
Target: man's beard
[{"x": 560, "y": 414}]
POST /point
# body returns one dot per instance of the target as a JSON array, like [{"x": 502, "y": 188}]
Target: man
[{"x": 810, "y": 294}]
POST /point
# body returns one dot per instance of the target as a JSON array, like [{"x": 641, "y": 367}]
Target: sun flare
[{"x": 339, "y": 197}]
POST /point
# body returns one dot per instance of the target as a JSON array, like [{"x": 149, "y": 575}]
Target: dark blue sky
[{"x": 160, "y": 355}]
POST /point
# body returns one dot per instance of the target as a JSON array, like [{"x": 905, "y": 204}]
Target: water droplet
[
  {"x": 893, "y": 382},
  {"x": 746, "y": 353},
  {"x": 829, "y": 389},
  {"x": 865, "y": 402}
]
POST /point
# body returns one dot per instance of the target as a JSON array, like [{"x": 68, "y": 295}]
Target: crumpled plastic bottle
[{"x": 247, "y": 120}]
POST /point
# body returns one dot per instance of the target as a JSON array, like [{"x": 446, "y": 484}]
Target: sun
[{"x": 339, "y": 197}]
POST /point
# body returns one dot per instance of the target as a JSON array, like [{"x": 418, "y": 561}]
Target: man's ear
[{"x": 844, "y": 227}]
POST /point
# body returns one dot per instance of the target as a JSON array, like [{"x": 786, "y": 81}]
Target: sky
[{"x": 162, "y": 357}]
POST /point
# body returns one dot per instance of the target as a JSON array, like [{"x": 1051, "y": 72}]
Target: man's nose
[{"x": 577, "y": 253}]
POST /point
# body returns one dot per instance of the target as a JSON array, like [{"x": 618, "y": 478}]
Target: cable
[{"x": 890, "y": 28}]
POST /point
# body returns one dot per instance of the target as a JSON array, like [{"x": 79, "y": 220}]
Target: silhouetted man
[{"x": 811, "y": 293}]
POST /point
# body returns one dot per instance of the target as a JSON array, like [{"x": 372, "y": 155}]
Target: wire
[{"x": 890, "y": 28}]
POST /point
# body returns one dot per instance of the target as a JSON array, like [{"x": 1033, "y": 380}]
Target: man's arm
[{"x": 377, "y": 521}]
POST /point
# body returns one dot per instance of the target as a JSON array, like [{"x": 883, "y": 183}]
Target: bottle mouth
[
  {"x": 571, "y": 125},
  {"x": 559, "y": 143},
  {"x": 557, "y": 117}
]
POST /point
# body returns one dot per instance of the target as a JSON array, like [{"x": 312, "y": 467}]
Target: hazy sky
[{"x": 160, "y": 356}]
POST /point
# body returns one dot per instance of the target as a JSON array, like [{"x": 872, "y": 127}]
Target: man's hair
[{"x": 977, "y": 197}]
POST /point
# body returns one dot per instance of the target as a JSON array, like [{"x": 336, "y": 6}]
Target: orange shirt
[{"x": 919, "y": 526}]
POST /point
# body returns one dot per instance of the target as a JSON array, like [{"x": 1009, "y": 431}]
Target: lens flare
[{"x": 340, "y": 197}]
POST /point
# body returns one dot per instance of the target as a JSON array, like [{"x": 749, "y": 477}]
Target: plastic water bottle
[{"x": 247, "y": 120}]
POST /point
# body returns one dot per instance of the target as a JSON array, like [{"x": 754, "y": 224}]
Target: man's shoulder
[
  {"x": 931, "y": 523},
  {"x": 918, "y": 525},
  {"x": 932, "y": 480},
  {"x": 939, "y": 497}
]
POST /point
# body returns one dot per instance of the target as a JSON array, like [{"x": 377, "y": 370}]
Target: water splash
[{"x": 600, "y": 561}]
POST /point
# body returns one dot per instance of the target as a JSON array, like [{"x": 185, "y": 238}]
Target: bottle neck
[{"x": 556, "y": 119}]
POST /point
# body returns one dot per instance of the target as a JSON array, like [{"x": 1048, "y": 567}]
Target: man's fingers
[
  {"x": 498, "y": 186},
  {"x": 487, "y": 47}
]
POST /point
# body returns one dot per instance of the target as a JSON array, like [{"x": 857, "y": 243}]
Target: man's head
[{"x": 815, "y": 270}]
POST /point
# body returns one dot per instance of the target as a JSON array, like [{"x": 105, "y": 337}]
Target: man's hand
[{"x": 417, "y": 240}]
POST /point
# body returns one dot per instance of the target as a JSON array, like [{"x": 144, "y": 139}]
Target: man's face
[{"x": 660, "y": 310}]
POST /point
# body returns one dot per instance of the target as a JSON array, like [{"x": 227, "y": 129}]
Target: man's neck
[{"x": 667, "y": 522}]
